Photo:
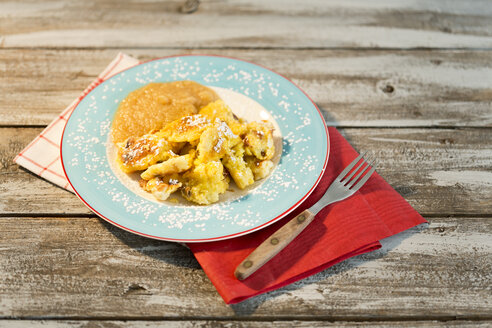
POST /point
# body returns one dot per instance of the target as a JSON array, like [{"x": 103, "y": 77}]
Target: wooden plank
[
  {"x": 246, "y": 24},
  {"x": 353, "y": 88},
  {"x": 19, "y": 187},
  {"x": 422, "y": 164},
  {"x": 226, "y": 323},
  {"x": 85, "y": 268}
]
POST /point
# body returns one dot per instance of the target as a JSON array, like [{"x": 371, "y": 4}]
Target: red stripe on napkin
[{"x": 340, "y": 231}]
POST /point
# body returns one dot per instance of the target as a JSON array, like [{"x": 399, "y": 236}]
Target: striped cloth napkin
[{"x": 42, "y": 155}]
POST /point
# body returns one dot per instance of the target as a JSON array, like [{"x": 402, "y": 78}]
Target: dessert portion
[
  {"x": 156, "y": 104},
  {"x": 197, "y": 153}
]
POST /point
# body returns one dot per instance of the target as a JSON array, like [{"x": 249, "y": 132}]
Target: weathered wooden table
[{"x": 409, "y": 81}]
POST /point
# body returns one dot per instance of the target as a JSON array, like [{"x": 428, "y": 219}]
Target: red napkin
[{"x": 340, "y": 231}]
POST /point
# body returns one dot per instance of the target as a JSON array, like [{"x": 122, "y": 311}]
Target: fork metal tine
[
  {"x": 373, "y": 163},
  {"x": 349, "y": 177},
  {"x": 349, "y": 167},
  {"x": 342, "y": 187},
  {"x": 354, "y": 171},
  {"x": 354, "y": 180},
  {"x": 363, "y": 180}
]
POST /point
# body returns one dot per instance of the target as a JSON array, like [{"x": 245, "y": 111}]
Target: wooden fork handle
[{"x": 273, "y": 245}]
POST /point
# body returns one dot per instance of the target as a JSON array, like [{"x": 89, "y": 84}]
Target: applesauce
[{"x": 156, "y": 104}]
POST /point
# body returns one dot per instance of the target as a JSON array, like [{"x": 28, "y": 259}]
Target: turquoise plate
[{"x": 304, "y": 145}]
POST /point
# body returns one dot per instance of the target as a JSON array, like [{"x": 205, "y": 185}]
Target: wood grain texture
[
  {"x": 273, "y": 244},
  {"x": 246, "y": 24},
  {"x": 235, "y": 324},
  {"x": 422, "y": 164},
  {"x": 353, "y": 88},
  {"x": 410, "y": 81},
  {"x": 42, "y": 196},
  {"x": 85, "y": 268}
]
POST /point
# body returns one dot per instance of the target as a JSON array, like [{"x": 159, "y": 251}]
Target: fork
[{"x": 345, "y": 185}]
